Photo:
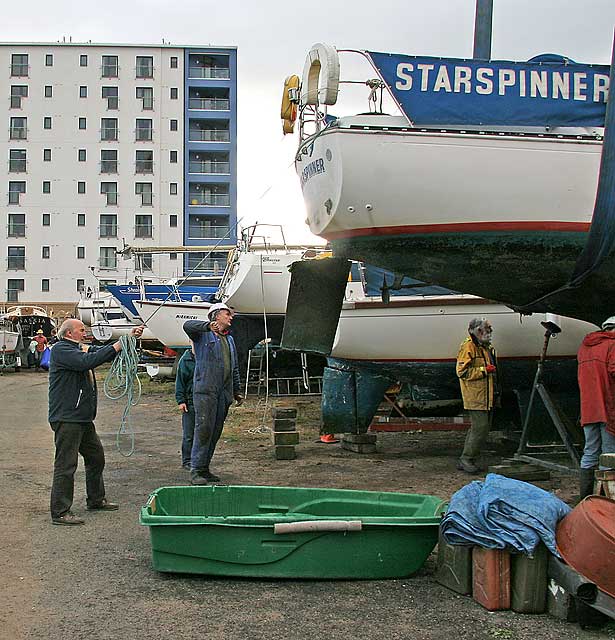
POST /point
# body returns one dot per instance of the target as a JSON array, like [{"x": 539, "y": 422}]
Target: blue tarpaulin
[
  {"x": 503, "y": 513},
  {"x": 441, "y": 91}
]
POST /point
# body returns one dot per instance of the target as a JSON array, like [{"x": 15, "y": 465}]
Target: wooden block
[
  {"x": 359, "y": 448},
  {"x": 285, "y": 452},
  {"x": 526, "y": 472},
  {"x": 284, "y": 412},
  {"x": 285, "y": 437},
  {"x": 360, "y": 438}
]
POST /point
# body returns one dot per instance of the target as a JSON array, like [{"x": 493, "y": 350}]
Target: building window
[
  {"x": 173, "y": 220},
  {"x": 19, "y": 65},
  {"x": 81, "y": 219},
  {"x": 46, "y": 186},
  {"x": 83, "y": 60},
  {"x": 83, "y": 91},
  {"x": 143, "y": 226},
  {"x": 45, "y": 253},
  {"x": 108, "y": 258},
  {"x": 80, "y": 187},
  {"x": 146, "y": 94},
  {"x": 108, "y": 128},
  {"x": 144, "y": 189},
  {"x": 145, "y": 67},
  {"x": 17, "y": 225},
  {"x": 46, "y": 219},
  {"x": 110, "y": 190},
  {"x": 145, "y": 261},
  {"x": 143, "y": 129},
  {"x": 82, "y": 123},
  {"x": 172, "y": 256},
  {"x": 104, "y": 284},
  {"x": 13, "y": 288},
  {"x": 173, "y": 188},
  {"x": 48, "y": 91},
  {"x": 16, "y": 188},
  {"x": 17, "y": 160},
  {"x": 173, "y": 125},
  {"x": 108, "y": 160},
  {"x": 108, "y": 225},
  {"x": 49, "y": 60},
  {"x": 172, "y": 156},
  {"x": 110, "y": 67},
  {"x": 110, "y": 94},
  {"x": 47, "y": 122},
  {"x": 144, "y": 161},
  {"x": 18, "y": 91},
  {"x": 80, "y": 253},
  {"x": 46, "y": 155},
  {"x": 18, "y": 129},
  {"x": 80, "y": 284},
  {"x": 45, "y": 284},
  {"x": 82, "y": 155},
  {"x": 173, "y": 93},
  {"x": 173, "y": 62},
  {"x": 16, "y": 258}
]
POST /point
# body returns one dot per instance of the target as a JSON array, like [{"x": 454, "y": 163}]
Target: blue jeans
[
  {"x": 187, "y": 435},
  {"x": 597, "y": 440}
]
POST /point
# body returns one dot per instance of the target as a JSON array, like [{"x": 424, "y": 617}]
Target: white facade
[{"x": 64, "y": 239}]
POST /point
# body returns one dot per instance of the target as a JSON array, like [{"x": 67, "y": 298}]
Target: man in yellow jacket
[{"x": 477, "y": 373}]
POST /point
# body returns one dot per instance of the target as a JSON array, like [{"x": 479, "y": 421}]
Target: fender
[{"x": 321, "y": 75}]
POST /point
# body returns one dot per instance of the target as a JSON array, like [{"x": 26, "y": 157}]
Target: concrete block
[
  {"x": 284, "y": 425},
  {"x": 284, "y": 413},
  {"x": 285, "y": 437},
  {"x": 359, "y": 448},
  {"x": 607, "y": 460},
  {"x": 360, "y": 438},
  {"x": 285, "y": 452},
  {"x": 560, "y": 604}
]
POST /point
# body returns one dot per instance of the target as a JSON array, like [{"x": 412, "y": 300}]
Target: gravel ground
[{"x": 96, "y": 581}]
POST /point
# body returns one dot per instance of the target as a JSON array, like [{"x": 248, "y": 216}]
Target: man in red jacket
[{"x": 596, "y": 359}]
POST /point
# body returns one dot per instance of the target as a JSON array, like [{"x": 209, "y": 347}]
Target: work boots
[{"x": 586, "y": 483}]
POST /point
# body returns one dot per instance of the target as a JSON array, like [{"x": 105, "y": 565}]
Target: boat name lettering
[
  {"x": 315, "y": 167},
  {"x": 181, "y": 316},
  {"x": 546, "y": 91}
]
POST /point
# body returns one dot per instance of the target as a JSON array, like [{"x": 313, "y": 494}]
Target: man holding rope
[
  {"x": 72, "y": 409},
  {"x": 216, "y": 384}
]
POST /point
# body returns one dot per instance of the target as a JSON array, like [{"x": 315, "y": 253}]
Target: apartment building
[{"x": 111, "y": 145}]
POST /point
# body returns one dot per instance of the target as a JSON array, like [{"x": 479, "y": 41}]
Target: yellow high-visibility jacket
[{"x": 478, "y": 388}]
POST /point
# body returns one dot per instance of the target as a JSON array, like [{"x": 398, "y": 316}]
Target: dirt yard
[{"x": 96, "y": 581}]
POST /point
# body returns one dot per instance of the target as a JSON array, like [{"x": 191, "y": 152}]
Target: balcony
[
  {"x": 109, "y": 70},
  {"x": 14, "y": 197},
  {"x": 107, "y": 231},
  {"x": 143, "y": 135},
  {"x": 209, "y": 167},
  {"x": 147, "y": 199},
  {"x": 209, "y": 265},
  {"x": 16, "y": 230},
  {"x": 16, "y": 102},
  {"x": 144, "y": 231},
  {"x": 17, "y": 166},
  {"x": 109, "y": 262},
  {"x": 144, "y": 166},
  {"x": 16, "y": 263},
  {"x": 202, "y": 232},
  {"x": 113, "y": 103},
  {"x": 209, "y": 135},
  {"x": 18, "y": 133},
  {"x": 209, "y": 104},
  {"x": 109, "y": 134},
  {"x": 200, "y": 199},
  {"x": 108, "y": 166},
  {"x": 111, "y": 197},
  {"x": 209, "y": 73},
  {"x": 20, "y": 70}
]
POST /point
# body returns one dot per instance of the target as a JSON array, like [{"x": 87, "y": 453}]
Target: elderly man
[
  {"x": 596, "y": 376},
  {"x": 477, "y": 373},
  {"x": 72, "y": 409},
  {"x": 216, "y": 383}
]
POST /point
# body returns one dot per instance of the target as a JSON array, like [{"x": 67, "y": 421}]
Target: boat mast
[{"x": 482, "y": 29}]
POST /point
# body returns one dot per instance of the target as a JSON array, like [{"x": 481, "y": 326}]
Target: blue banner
[{"x": 441, "y": 91}]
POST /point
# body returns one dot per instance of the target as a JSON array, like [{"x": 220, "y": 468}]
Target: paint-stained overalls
[{"x": 212, "y": 397}]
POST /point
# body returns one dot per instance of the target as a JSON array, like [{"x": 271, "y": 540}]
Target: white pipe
[{"x": 317, "y": 525}]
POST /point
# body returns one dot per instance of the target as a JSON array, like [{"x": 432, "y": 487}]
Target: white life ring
[{"x": 321, "y": 75}]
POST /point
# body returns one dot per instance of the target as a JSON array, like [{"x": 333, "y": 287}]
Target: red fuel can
[{"x": 491, "y": 578}]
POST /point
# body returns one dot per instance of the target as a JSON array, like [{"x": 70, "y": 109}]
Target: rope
[{"x": 122, "y": 381}]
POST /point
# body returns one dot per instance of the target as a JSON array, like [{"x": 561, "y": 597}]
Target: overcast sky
[{"x": 273, "y": 38}]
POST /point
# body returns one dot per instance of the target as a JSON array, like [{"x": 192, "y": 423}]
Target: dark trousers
[
  {"x": 72, "y": 439},
  {"x": 210, "y": 412},
  {"x": 187, "y": 435}
]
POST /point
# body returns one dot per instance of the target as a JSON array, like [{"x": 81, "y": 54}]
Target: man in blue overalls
[{"x": 216, "y": 384}]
